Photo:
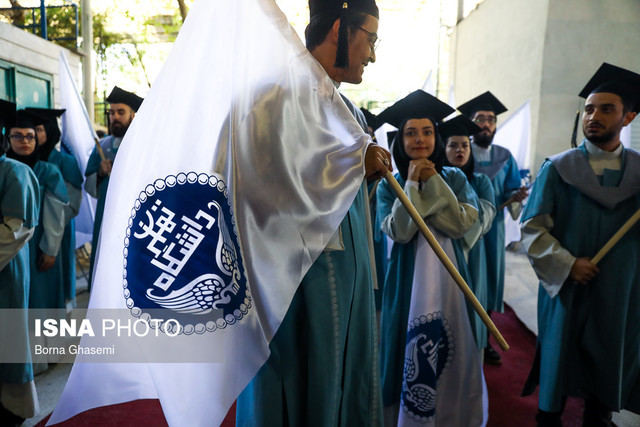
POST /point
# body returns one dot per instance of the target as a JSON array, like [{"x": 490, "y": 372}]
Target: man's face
[
  {"x": 22, "y": 140},
  {"x": 120, "y": 117},
  {"x": 361, "y": 50},
  {"x": 604, "y": 118},
  {"x": 487, "y": 121},
  {"x": 42, "y": 134}
]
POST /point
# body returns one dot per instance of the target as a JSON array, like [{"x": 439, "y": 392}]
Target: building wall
[
  {"x": 21, "y": 48},
  {"x": 499, "y": 47},
  {"x": 580, "y": 36},
  {"x": 545, "y": 51}
]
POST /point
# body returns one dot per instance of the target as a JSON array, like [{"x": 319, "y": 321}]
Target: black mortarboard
[
  {"x": 341, "y": 10},
  {"x": 612, "y": 79},
  {"x": 484, "y": 102},
  {"x": 23, "y": 119},
  {"x": 7, "y": 112},
  {"x": 370, "y": 118},
  {"x": 457, "y": 126},
  {"x": 120, "y": 96},
  {"x": 46, "y": 114},
  {"x": 416, "y": 105}
]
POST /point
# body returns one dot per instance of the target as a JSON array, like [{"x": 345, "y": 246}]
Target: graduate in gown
[
  {"x": 323, "y": 366},
  {"x": 48, "y": 133},
  {"x": 123, "y": 106},
  {"x": 588, "y": 316},
  {"x": 44, "y": 248},
  {"x": 448, "y": 204},
  {"x": 455, "y": 134},
  {"x": 499, "y": 165},
  {"x": 19, "y": 208}
]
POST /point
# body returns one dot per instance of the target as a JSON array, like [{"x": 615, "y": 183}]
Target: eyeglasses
[
  {"x": 20, "y": 138},
  {"x": 374, "y": 41},
  {"x": 482, "y": 119}
]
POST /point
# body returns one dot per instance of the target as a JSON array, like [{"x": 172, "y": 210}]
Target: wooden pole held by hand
[{"x": 616, "y": 238}]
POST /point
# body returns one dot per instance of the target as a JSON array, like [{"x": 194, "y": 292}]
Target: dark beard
[
  {"x": 118, "y": 130},
  {"x": 602, "y": 139},
  {"x": 483, "y": 140}
]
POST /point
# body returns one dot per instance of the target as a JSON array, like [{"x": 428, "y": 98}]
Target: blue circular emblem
[
  {"x": 428, "y": 352},
  {"x": 182, "y": 259}
]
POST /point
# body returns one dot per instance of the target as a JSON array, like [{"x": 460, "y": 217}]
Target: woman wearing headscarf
[
  {"x": 455, "y": 134},
  {"x": 48, "y": 133},
  {"x": 423, "y": 316},
  {"x": 19, "y": 204},
  {"x": 44, "y": 247}
]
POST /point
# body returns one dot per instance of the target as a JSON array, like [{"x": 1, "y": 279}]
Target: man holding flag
[
  {"x": 588, "y": 315},
  {"x": 275, "y": 201},
  {"x": 322, "y": 369},
  {"x": 122, "y": 109}
]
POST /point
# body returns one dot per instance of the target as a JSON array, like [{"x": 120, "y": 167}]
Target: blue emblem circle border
[{"x": 161, "y": 184}]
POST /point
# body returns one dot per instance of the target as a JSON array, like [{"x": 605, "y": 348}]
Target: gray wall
[
  {"x": 22, "y": 48},
  {"x": 543, "y": 50}
]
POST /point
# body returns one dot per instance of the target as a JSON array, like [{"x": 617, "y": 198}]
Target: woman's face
[
  {"x": 42, "y": 135},
  {"x": 419, "y": 138},
  {"x": 23, "y": 140},
  {"x": 458, "y": 150}
]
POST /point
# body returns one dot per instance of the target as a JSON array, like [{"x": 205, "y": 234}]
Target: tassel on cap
[{"x": 342, "y": 54}]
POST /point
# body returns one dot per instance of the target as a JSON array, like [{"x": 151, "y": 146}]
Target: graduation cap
[
  {"x": 7, "y": 112},
  {"x": 370, "y": 117},
  {"x": 458, "y": 126},
  {"x": 612, "y": 79},
  {"x": 46, "y": 114},
  {"x": 23, "y": 119},
  {"x": 121, "y": 96},
  {"x": 484, "y": 102},
  {"x": 416, "y": 105},
  {"x": 342, "y": 9}
]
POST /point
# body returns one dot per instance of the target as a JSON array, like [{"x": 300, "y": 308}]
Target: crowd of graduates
[{"x": 461, "y": 185}]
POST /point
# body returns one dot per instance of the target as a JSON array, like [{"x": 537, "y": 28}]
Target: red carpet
[
  {"x": 505, "y": 382},
  {"x": 506, "y": 407}
]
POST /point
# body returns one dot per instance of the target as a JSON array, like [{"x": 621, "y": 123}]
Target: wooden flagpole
[{"x": 616, "y": 237}]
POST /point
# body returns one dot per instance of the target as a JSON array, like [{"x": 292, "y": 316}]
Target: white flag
[
  {"x": 443, "y": 383},
  {"x": 515, "y": 135},
  {"x": 428, "y": 85},
  {"x": 78, "y": 134},
  {"x": 237, "y": 170}
]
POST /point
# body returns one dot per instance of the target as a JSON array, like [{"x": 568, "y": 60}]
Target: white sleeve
[
  {"x": 480, "y": 228},
  {"x": 75, "y": 198},
  {"x": 515, "y": 209},
  {"x": 91, "y": 184},
  {"x": 551, "y": 262},
  {"x": 53, "y": 216},
  {"x": 437, "y": 203},
  {"x": 13, "y": 236}
]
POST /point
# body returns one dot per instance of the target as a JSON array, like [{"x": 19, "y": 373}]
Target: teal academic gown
[
  {"x": 72, "y": 176},
  {"x": 589, "y": 336},
  {"x": 396, "y": 297},
  {"x": 93, "y": 164},
  {"x": 46, "y": 290},
  {"x": 19, "y": 198},
  {"x": 477, "y": 263},
  {"x": 323, "y": 367},
  {"x": 504, "y": 174}
]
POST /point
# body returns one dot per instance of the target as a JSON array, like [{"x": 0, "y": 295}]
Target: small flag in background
[
  {"x": 236, "y": 172},
  {"x": 79, "y": 136}
]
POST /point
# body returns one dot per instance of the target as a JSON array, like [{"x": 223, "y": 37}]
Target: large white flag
[
  {"x": 515, "y": 135},
  {"x": 443, "y": 383},
  {"x": 78, "y": 134},
  {"x": 237, "y": 170}
]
